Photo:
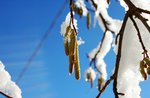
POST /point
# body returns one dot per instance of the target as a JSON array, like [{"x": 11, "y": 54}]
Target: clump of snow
[
  {"x": 112, "y": 24},
  {"x": 67, "y": 23},
  {"x": 104, "y": 50},
  {"x": 80, "y": 41},
  {"x": 81, "y": 4},
  {"x": 106, "y": 46},
  {"x": 124, "y": 5},
  {"x": 7, "y": 86},
  {"x": 93, "y": 52},
  {"x": 101, "y": 8},
  {"x": 129, "y": 76},
  {"x": 89, "y": 74},
  {"x": 144, "y": 4}
]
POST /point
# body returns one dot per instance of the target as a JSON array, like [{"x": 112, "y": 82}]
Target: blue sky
[{"x": 23, "y": 24}]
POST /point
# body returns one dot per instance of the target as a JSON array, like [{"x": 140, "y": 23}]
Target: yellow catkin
[
  {"x": 148, "y": 70},
  {"x": 80, "y": 12},
  {"x": 72, "y": 43},
  {"x": 77, "y": 64},
  {"x": 88, "y": 20},
  {"x": 66, "y": 46},
  {"x": 71, "y": 64},
  {"x": 142, "y": 70},
  {"x": 100, "y": 83},
  {"x": 147, "y": 60},
  {"x": 66, "y": 43},
  {"x": 67, "y": 31}
]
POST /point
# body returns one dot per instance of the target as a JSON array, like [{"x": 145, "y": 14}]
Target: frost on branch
[
  {"x": 131, "y": 45},
  {"x": 8, "y": 88}
]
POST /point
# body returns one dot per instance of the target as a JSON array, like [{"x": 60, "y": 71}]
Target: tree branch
[
  {"x": 105, "y": 86},
  {"x": 106, "y": 29},
  {"x": 115, "y": 75},
  {"x": 139, "y": 35},
  {"x": 72, "y": 17},
  {"x": 121, "y": 32},
  {"x": 133, "y": 10},
  {"x": 137, "y": 12},
  {"x": 105, "y": 23},
  {"x": 144, "y": 21}
]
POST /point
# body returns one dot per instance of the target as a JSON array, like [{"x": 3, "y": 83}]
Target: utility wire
[{"x": 41, "y": 42}]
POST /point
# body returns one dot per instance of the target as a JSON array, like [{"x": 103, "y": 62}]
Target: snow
[
  {"x": 90, "y": 74},
  {"x": 129, "y": 76},
  {"x": 124, "y": 5},
  {"x": 7, "y": 86},
  {"x": 144, "y": 4},
  {"x": 80, "y": 4},
  {"x": 66, "y": 23},
  {"x": 80, "y": 41},
  {"x": 112, "y": 24},
  {"x": 104, "y": 50},
  {"x": 93, "y": 52},
  {"x": 100, "y": 64}
]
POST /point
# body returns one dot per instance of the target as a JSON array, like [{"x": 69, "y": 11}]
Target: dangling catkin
[
  {"x": 77, "y": 64},
  {"x": 71, "y": 64}
]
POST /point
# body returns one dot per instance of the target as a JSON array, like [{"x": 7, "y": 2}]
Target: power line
[{"x": 41, "y": 42}]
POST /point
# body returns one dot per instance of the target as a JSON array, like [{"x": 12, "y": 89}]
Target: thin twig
[
  {"x": 117, "y": 36},
  {"x": 137, "y": 12},
  {"x": 143, "y": 11},
  {"x": 144, "y": 21},
  {"x": 106, "y": 29},
  {"x": 139, "y": 35},
  {"x": 72, "y": 17},
  {"x": 104, "y": 87}
]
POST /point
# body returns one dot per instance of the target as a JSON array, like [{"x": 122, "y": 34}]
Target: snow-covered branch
[{"x": 132, "y": 36}]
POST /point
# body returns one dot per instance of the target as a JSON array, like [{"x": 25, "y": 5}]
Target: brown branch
[
  {"x": 121, "y": 32},
  {"x": 137, "y": 12},
  {"x": 139, "y": 35},
  {"x": 93, "y": 59},
  {"x": 105, "y": 86},
  {"x": 71, "y": 15},
  {"x": 143, "y": 11},
  {"x": 131, "y": 6},
  {"x": 106, "y": 29},
  {"x": 105, "y": 23},
  {"x": 133, "y": 10},
  {"x": 117, "y": 36},
  {"x": 94, "y": 4},
  {"x": 144, "y": 21},
  {"x": 115, "y": 75}
]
